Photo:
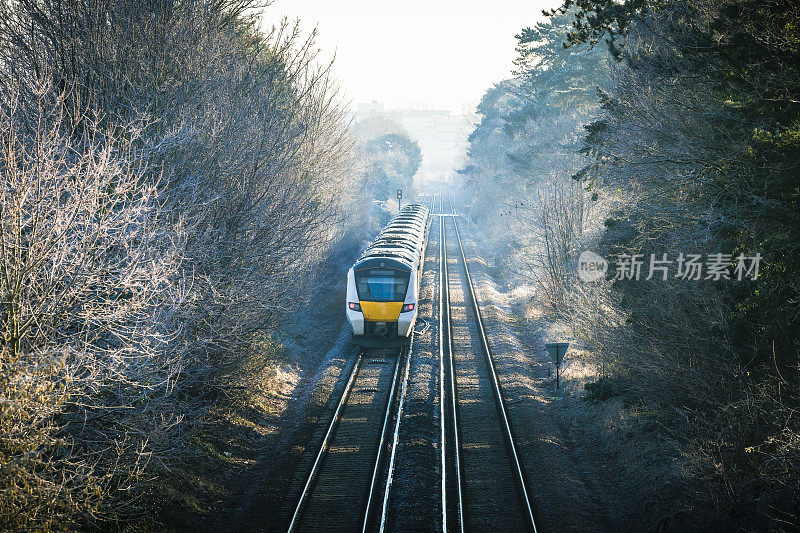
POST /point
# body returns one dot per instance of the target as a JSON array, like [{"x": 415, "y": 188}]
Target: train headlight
[
  {"x": 354, "y": 306},
  {"x": 406, "y": 308}
]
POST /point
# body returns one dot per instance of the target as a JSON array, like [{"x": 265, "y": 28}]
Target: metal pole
[{"x": 557, "y": 383}]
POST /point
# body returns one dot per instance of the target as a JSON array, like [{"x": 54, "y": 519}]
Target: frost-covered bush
[{"x": 86, "y": 379}]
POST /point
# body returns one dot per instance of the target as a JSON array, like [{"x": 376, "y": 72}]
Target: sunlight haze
[{"x": 442, "y": 54}]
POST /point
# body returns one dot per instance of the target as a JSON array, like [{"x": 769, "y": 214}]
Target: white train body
[{"x": 383, "y": 285}]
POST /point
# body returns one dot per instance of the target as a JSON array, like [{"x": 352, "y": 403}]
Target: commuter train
[{"x": 383, "y": 285}]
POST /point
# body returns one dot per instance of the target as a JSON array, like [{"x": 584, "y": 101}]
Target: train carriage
[{"x": 383, "y": 285}]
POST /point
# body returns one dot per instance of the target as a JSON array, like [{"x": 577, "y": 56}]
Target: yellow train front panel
[{"x": 381, "y": 311}]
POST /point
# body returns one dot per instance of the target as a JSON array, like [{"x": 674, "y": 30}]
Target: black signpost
[{"x": 557, "y": 351}]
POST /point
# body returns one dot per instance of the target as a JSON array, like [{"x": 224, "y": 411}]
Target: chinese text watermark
[{"x": 695, "y": 267}]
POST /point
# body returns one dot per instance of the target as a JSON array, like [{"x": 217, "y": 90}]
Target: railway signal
[
  {"x": 557, "y": 351},
  {"x": 399, "y": 197}
]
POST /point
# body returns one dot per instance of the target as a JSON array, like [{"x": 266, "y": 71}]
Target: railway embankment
[
  {"x": 590, "y": 465},
  {"x": 248, "y": 454}
]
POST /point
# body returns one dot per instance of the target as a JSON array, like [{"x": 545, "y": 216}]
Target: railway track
[
  {"x": 483, "y": 482},
  {"x": 348, "y": 484},
  {"x": 451, "y": 489}
]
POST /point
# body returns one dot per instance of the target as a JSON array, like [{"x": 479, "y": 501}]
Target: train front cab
[{"x": 382, "y": 302}]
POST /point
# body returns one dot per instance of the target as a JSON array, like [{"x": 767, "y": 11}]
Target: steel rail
[
  {"x": 446, "y": 354},
  {"x": 385, "y": 427},
  {"x": 495, "y": 381},
  {"x": 323, "y": 447},
  {"x": 396, "y": 437},
  {"x": 442, "y": 416}
]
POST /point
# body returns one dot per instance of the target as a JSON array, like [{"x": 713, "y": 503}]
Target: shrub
[
  {"x": 601, "y": 390},
  {"x": 86, "y": 379}
]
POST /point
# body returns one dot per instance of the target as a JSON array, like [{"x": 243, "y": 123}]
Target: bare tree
[
  {"x": 255, "y": 173},
  {"x": 171, "y": 176},
  {"x": 85, "y": 374}
]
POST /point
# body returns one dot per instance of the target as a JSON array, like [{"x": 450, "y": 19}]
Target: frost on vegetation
[
  {"x": 85, "y": 374},
  {"x": 169, "y": 178},
  {"x": 653, "y": 152}
]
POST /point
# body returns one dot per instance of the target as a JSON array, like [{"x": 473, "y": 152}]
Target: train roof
[
  {"x": 414, "y": 228},
  {"x": 399, "y": 255},
  {"x": 404, "y": 227},
  {"x": 414, "y": 238},
  {"x": 416, "y": 224},
  {"x": 389, "y": 242},
  {"x": 390, "y": 251},
  {"x": 383, "y": 262},
  {"x": 399, "y": 243}
]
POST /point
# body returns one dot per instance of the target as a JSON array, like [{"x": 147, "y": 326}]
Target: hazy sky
[{"x": 441, "y": 53}]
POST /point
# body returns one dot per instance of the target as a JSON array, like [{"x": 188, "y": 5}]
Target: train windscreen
[{"x": 381, "y": 285}]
